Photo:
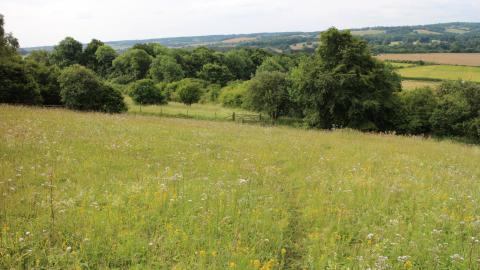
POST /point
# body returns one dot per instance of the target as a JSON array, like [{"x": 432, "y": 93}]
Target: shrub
[
  {"x": 212, "y": 92},
  {"x": 145, "y": 92},
  {"x": 82, "y": 90},
  {"x": 234, "y": 95},
  {"x": 17, "y": 85}
]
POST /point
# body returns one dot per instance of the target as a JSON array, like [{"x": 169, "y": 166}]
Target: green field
[
  {"x": 197, "y": 111},
  {"x": 442, "y": 72},
  {"x": 96, "y": 191},
  {"x": 413, "y": 84}
]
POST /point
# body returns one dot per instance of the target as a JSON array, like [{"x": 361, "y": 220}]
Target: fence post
[
  {"x": 215, "y": 115},
  {"x": 233, "y": 116},
  {"x": 260, "y": 117}
]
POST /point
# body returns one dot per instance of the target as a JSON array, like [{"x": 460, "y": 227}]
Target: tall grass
[{"x": 95, "y": 191}]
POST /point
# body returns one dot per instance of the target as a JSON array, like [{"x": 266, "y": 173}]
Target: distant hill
[{"x": 445, "y": 37}]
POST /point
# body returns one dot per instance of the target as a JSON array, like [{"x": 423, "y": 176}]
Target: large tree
[
  {"x": 89, "y": 54},
  {"x": 166, "y": 69},
  {"x": 68, "y": 52},
  {"x": 343, "y": 85},
  {"x": 268, "y": 92},
  {"x": 132, "y": 65},
  {"x": 8, "y": 43},
  {"x": 104, "y": 57},
  {"x": 215, "y": 73}
]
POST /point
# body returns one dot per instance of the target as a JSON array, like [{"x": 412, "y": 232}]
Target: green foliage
[
  {"x": 68, "y": 52},
  {"x": 46, "y": 77},
  {"x": 215, "y": 73},
  {"x": 211, "y": 93},
  {"x": 89, "y": 54},
  {"x": 234, "y": 95},
  {"x": 82, "y": 90},
  {"x": 415, "y": 109},
  {"x": 458, "y": 110},
  {"x": 281, "y": 63},
  {"x": 17, "y": 85},
  {"x": 145, "y": 92},
  {"x": 240, "y": 64},
  {"x": 131, "y": 66},
  {"x": 104, "y": 58},
  {"x": 268, "y": 92},
  {"x": 166, "y": 69},
  {"x": 41, "y": 57},
  {"x": 343, "y": 85},
  {"x": 8, "y": 43},
  {"x": 189, "y": 91}
]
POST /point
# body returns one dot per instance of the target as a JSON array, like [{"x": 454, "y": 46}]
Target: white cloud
[{"x": 44, "y": 22}]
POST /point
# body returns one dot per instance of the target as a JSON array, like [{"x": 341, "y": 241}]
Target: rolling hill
[{"x": 446, "y": 37}]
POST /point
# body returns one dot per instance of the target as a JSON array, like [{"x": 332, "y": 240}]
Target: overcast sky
[{"x": 45, "y": 22}]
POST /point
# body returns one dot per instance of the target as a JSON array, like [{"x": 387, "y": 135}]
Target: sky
[{"x": 46, "y": 22}]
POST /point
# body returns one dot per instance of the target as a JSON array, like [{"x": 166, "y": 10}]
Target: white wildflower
[{"x": 242, "y": 181}]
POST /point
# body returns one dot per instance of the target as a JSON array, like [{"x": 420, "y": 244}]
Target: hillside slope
[{"x": 99, "y": 191}]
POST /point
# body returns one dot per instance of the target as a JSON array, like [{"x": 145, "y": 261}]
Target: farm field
[
  {"x": 96, "y": 191},
  {"x": 412, "y": 84},
  {"x": 442, "y": 72},
  {"x": 465, "y": 59}
]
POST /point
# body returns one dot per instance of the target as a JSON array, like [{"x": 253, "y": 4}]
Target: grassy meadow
[
  {"x": 96, "y": 191},
  {"x": 175, "y": 109},
  {"x": 442, "y": 72}
]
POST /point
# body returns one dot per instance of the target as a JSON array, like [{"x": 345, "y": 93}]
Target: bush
[
  {"x": 234, "y": 95},
  {"x": 82, "y": 90},
  {"x": 212, "y": 92},
  {"x": 145, "y": 92},
  {"x": 17, "y": 85}
]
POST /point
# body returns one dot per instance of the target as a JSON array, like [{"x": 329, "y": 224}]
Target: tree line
[{"x": 340, "y": 86}]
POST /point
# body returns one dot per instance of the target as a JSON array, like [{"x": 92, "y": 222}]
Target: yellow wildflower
[
  {"x": 256, "y": 263},
  {"x": 408, "y": 264},
  {"x": 232, "y": 265}
]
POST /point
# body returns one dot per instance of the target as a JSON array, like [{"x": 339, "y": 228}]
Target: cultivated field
[
  {"x": 442, "y": 72},
  {"x": 95, "y": 191},
  {"x": 412, "y": 84},
  {"x": 466, "y": 59}
]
